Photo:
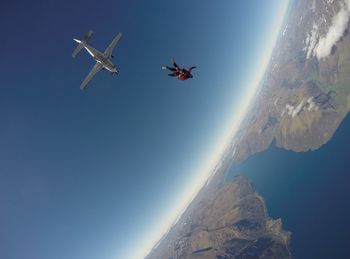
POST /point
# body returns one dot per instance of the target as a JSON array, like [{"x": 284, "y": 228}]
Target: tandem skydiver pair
[{"x": 103, "y": 60}]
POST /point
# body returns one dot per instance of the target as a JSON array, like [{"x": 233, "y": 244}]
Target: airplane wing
[
  {"x": 112, "y": 45},
  {"x": 97, "y": 67}
]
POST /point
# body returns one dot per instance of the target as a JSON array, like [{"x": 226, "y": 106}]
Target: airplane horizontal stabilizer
[{"x": 81, "y": 43}]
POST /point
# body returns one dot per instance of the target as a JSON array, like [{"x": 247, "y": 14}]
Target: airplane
[{"x": 102, "y": 59}]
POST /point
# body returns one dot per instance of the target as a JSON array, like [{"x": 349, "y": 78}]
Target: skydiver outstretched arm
[
  {"x": 169, "y": 68},
  {"x": 191, "y": 69}
]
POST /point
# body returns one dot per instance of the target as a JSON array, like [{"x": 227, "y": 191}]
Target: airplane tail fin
[{"x": 81, "y": 43}]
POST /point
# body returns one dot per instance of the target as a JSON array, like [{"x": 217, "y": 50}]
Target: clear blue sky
[{"x": 89, "y": 175}]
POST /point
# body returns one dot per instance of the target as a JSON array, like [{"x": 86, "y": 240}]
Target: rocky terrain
[
  {"x": 304, "y": 96},
  {"x": 232, "y": 222},
  {"x": 306, "y": 91}
]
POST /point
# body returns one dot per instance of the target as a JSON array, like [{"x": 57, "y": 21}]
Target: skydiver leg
[
  {"x": 173, "y": 74},
  {"x": 174, "y": 63}
]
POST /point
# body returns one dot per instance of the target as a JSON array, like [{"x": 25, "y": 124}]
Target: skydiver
[{"x": 180, "y": 73}]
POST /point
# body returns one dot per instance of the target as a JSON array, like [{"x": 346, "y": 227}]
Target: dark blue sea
[{"x": 310, "y": 191}]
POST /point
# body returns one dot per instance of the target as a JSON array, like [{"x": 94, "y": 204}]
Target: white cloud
[
  {"x": 289, "y": 109},
  {"x": 312, "y": 105},
  {"x": 233, "y": 153},
  {"x": 313, "y": 8},
  {"x": 285, "y": 30},
  {"x": 335, "y": 32},
  {"x": 311, "y": 41},
  {"x": 310, "y": 99},
  {"x": 297, "y": 109},
  {"x": 305, "y": 105}
]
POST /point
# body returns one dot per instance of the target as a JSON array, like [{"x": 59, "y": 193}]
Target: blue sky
[{"x": 91, "y": 175}]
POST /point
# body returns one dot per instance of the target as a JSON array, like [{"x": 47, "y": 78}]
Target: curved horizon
[
  {"x": 229, "y": 131},
  {"x": 106, "y": 173}
]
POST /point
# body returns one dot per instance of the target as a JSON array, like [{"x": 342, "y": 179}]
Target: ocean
[{"x": 310, "y": 192}]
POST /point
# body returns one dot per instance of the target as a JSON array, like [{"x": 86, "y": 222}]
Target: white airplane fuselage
[
  {"x": 103, "y": 59},
  {"x": 100, "y": 58}
]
